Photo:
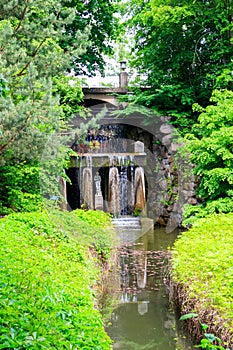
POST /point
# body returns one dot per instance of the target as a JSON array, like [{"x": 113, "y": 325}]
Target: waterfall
[
  {"x": 139, "y": 185},
  {"x": 123, "y": 186},
  {"x": 87, "y": 185},
  {"x": 113, "y": 187},
  {"x": 87, "y": 189},
  {"x": 126, "y": 187},
  {"x": 112, "y": 182},
  {"x": 131, "y": 199}
]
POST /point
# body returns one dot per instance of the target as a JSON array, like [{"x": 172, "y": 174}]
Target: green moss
[
  {"x": 202, "y": 261},
  {"x": 46, "y": 279}
]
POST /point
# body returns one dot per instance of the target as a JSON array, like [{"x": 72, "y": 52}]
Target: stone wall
[
  {"x": 168, "y": 179},
  {"x": 170, "y": 184}
]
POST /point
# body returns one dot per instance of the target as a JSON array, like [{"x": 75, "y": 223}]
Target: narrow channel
[{"x": 143, "y": 318}]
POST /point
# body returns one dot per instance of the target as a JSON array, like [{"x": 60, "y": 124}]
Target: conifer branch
[
  {"x": 22, "y": 18},
  {"x": 33, "y": 55},
  {"x": 13, "y": 137}
]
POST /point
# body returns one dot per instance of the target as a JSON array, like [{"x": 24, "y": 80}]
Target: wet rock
[
  {"x": 163, "y": 185},
  {"x": 165, "y": 213},
  {"x": 174, "y": 146},
  {"x": 175, "y": 189},
  {"x": 170, "y": 159},
  {"x": 177, "y": 207},
  {"x": 189, "y": 186},
  {"x": 166, "y": 140},
  {"x": 160, "y": 221},
  {"x": 188, "y": 193}
]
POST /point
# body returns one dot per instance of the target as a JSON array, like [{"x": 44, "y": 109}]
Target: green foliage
[
  {"x": 211, "y": 150},
  {"x": 202, "y": 263},
  {"x": 92, "y": 224},
  {"x": 3, "y": 87},
  {"x": 36, "y": 99},
  {"x": 95, "y": 219},
  {"x": 210, "y": 341},
  {"x": 46, "y": 283},
  {"x": 182, "y": 48},
  {"x": 20, "y": 189},
  {"x": 30, "y": 56},
  {"x": 188, "y": 316},
  {"x": 70, "y": 93},
  {"x": 219, "y": 206},
  {"x": 99, "y": 17}
]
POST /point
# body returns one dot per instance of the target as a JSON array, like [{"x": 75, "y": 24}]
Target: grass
[{"x": 47, "y": 300}]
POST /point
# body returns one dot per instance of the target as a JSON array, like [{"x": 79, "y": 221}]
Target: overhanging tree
[
  {"x": 99, "y": 16},
  {"x": 181, "y": 46}
]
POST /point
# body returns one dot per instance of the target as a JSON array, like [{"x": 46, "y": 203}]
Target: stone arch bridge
[
  {"x": 98, "y": 95},
  {"x": 97, "y": 98}
]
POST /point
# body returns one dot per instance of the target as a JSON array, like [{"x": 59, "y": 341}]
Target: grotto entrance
[{"x": 126, "y": 165}]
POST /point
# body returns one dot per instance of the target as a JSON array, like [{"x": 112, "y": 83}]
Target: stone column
[{"x": 123, "y": 76}]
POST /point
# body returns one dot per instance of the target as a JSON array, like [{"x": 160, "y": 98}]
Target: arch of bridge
[{"x": 103, "y": 94}]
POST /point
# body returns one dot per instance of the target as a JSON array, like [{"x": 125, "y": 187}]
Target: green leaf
[{"x": 187, "y": 316}]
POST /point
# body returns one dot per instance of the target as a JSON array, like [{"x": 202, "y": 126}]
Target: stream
[{"x": 143, "y": 318}]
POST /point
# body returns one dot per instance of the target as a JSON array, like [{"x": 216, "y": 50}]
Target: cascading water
[
  {"x": 119, "y": 187},
  {"x": 132, "y": 188},
  {"x": 126, "y": 186},
  {"x": 123, "y": 190},
  {"x": 87, "y": 189},
  {"x": 140, "y": 197},
  {"x": 87, "y": 185},
  {"x": 113, "y": 198}
]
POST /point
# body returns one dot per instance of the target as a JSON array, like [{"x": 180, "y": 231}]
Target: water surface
[{"x": 144, "y": 319}]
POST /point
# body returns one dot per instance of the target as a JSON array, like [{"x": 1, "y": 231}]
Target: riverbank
[
  {"x": 202, "y": 277},
  {"x": 50, "y": 269}
]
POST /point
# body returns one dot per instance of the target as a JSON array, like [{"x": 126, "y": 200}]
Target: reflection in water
[{"x": 143, "y": 319}]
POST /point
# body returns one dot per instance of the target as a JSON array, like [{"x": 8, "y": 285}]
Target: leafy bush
[
  {"x": 212, "y": 146},
  {"x": 20, "y": 190},
  {"x": 46, "y": 279},
  {"x": 194, "y": 213}
]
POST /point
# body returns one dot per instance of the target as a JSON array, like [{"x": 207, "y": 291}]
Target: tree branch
[
  {"x": 22, "y": 18},
  {"x": 33, "y": 55}
]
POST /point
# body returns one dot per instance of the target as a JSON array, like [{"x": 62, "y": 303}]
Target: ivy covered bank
[
  {"x": 50, "y": 268},
  {"x": 202, "y": 273}
]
